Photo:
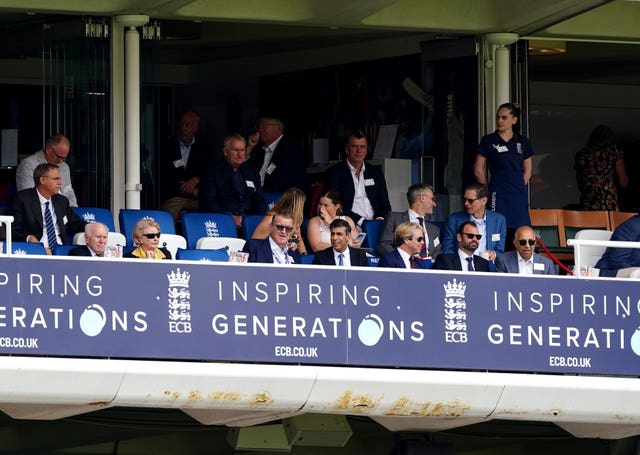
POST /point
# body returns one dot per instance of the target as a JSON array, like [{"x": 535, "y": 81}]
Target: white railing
[
  {"x": 578, "y": 243},
  {"x": 7, "y": 220}
]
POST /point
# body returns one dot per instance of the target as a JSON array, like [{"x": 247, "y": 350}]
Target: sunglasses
[
  {"x": 150, "y": 236},
  {"x": 471, "y": 236},
  {"x": 282, "y": 227},
  {"x": 470, "y": 201},
  {"x": 420, "y": 239},
  {"x": 523, "y": 242}
]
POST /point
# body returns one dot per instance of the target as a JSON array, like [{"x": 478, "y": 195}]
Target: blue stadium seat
[
  {"x": 129, "y": 217},
  {"x": 101, "y": 215},
  {"x": 196, "y": 225},
  {"x": 63, "y": 250},
  {"x": 271, "y": 198},
  {"x": 373, "y": 229},
  {"x": 249, "y": 224},
  {"x": 307, "y": 258},
  {"x": 220, "y": 255},
  {"x": 22, "y": 248}
]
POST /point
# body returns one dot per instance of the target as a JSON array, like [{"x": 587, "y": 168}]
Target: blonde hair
[
  {"x": 140, "y": 227},
  {"x": 292, "y": 203},
  {"x": 405, "y": 231}
]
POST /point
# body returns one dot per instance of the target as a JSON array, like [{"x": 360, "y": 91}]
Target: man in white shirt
[
  {"x": 524, "y": 260},
  {"x": 275, "y": 248},
  {"x": 340, "y": 253},
  {"x": 55, "y": 151}
]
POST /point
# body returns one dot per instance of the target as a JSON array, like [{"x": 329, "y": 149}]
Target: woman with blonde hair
[
  {"x": 146, "y": 234},
  {"x": 291, "y": 202}
]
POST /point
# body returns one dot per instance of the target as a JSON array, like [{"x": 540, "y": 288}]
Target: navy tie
[
  {"x": 51, "y": 230},
  {"x": 470, "y": 264},
  {"x": 341, "y": 259}
]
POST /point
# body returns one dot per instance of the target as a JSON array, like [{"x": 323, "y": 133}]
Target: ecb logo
[
  {"x": 455, "y": 312},
  {"x": 179, "y": 302}
]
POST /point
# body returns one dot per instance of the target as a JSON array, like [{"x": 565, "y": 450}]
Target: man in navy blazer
[
  {"x": 408, "y": 240},
  {"x": 468, "y": 237},
  {"x": 28, "y": 209},
  {"x": 96, "y": 236},
  {"x": 615, "y": 259},
  {"x": 491, "y": 225},
  {"x": 275, "y": 248},
  {"x": 340, "y": 253},
  {"x": 368, "y": 198},
  {"x": 524, "y": 260},
  {"x": 280, "y": 161}
]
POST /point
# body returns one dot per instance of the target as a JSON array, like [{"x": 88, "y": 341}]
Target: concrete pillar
[{"x": 497, "y": 70}]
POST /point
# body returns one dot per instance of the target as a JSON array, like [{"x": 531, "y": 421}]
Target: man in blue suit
[
  {"x": 362, "y": 186},
  {"x": 615, "y": 259},
  {"x": 524, "y": 260},
  {"x": 275, "y": 248},
  {"x": 408, "y": 240},
  {"x": 463, "y": 259},
  {"x": 492, "y": 226},
  {"x": 340, "y": 253}
]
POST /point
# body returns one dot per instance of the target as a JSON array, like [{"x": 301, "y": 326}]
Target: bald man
[{"x": 524, "y": 260}]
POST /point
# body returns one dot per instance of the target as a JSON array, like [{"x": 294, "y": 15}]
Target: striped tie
[{"x": 51, "y": 230}]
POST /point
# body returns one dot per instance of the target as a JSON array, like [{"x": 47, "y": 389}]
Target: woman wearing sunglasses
[{"x": 146, "y": 234}]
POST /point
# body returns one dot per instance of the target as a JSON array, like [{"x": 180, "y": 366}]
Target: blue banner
[{"x": 316, "y": 315}]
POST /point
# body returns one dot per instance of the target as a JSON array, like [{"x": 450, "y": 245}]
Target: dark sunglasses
[
  {"x": 420, "y": 239},
  {"x": 470, "y": 201},
  {"x": 150, "y": 236},
  {"x": 523, "y": 242},
  {"x": 282, "y": 227},
  {"x": 471, "y": 236}
]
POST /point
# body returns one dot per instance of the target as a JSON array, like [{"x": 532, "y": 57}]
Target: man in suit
[
  {"x": 232, "y": 186},
  {"x": 339, "y": 253},
  {"x": 183, "y": 160},
  {"x": 615, "y": 259},
  {"x": 421, "y": 204},
  {"x": 96, "y": 236},
  {"x": 279, "y": 160},
  {"x": 408, "y": 240},
  {"x": 362, "y": 186},
  {"x": 468, "y": 237},
  {"x": 40, "y": 214},
  {"x": 275, "y": 248},
  {"x": 524, "y": 260},
  {"x": 492, "y": 226},
  {"x": 55, "y": 151}
]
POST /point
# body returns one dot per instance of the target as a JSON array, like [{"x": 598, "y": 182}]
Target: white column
[
  {"x": 117, "y": 119},
  {"x": 500, "y": 70},
  {"x": 132, "y": 185}
]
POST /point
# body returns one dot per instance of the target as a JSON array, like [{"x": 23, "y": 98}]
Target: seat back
[
  {"x": 271, "y": 198},
  {"x": 576, "y": 220},
  {"x": 589, "y": 255},
  {"x": 91, "y": 214},
  {"x": 617, "y": 218},
  {"x": 197, "y": 225},
  {"x": 249, "y": 224},
  {"x": 373, "y": 229},
  {"x": 172, "y": 242},
  {"x": 307, "y": 258},
  {"x": 24, "y": 248},
  {"x": 215, "y": 243},
  {"x": 129, "y": 217},
  {"x": 219, "y": 255},
  {"x": 548, "y": 227},
  {"x": 63, "y": 250}
]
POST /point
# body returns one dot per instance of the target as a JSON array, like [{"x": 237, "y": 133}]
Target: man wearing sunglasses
[
  {"x": 275, "y": 248},
  {"x": 56, "y": 151},
  {"x": 524, "y": 260},
  {"x": 408, "y": 240},
  {"x": 468, "y": 238},
  {"x": 491, "y": 225}
]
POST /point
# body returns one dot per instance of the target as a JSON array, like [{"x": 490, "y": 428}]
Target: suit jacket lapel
[{"x": 36, "y": 208}]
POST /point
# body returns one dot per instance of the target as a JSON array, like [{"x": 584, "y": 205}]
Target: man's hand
[{"x": 188, "y": 187}]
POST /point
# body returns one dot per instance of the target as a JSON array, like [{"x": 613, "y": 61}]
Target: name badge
[
  {"x": 538, "y": 266},
  {"x": 495, "y": 237},
  {"x": 369, "y": 182},
  {"x": 250, "y": 184},
  {"x": 65, "y": 219},
  {"x": 271, "y": 168},
  {"x": 436, "y": 242},
  {"x": 502, "y": 149},
  {"x": 178, "y": 163}
]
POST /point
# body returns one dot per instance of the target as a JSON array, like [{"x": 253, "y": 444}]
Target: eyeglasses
[
  {"x": 61, "y": 158},
  {"x": 152, "y": 235},
  {"x": 523, "y": 242},
  {"x": 282, "y": 227},
  {"x": 53, "y": 178},
  {"x": 420, "y": 239},
  {"x": 470, "y": 201},
  {"x": 471, "y": 236}
]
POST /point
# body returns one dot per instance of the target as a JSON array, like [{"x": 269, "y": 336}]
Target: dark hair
[
  {"x": 514, "y": 110},
  {"x": 338, "y": 223},
  {"x": 334, "y": 197},
  {"x": 41, "y": 170},
  {"x": 480, "y": 189},
  {"x": 466, "y": 223},
  {"x": 416, "y": 190},
  {"x": 602, "y": 134},
  {"x": 357, "y": 134}
]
